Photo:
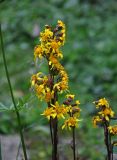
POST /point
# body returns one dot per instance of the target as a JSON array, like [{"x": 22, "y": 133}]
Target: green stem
[{"x": 12, "y": 96}]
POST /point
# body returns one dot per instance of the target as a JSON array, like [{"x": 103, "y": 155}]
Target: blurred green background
[{"x": 90, "y": 58}]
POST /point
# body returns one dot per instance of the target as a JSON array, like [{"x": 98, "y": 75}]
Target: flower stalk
[
  {"x": 74, "y": 145},
  {"x": 12, "y": 96},
  {"x": 104, "y": 115},
  {"x": 49, "y": 86}
]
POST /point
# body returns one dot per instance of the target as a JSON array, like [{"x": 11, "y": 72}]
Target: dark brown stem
[
  {"x": 55, "y": 139},
  {"x": 74, "y": 146},
  {"x": 110, "y": 146},
  {"x": 53, "y": 122},
  {"x": 55, "y": 131},
  {"x": 51, "y": 133},
  {"x": 107, "y": 141},
  {"x": 50, "y": 123}
]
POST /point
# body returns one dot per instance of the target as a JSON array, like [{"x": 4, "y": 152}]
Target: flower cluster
[
  {"x": 48, "y": 87},
  {"x": 73, "y": 112},
  {"x": 56, "y": 110},
  {"x": 113, "y": 130},
  {"x": 104, "y": 116},
  {"x": 105, "y": 112}
]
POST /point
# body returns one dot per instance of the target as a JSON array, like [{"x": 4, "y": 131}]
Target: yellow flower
[
  {"x": 70, "y": 96},
  {"x": 38, "y": 52},
  {"x": 71, "y": 122},
  {"x": 102, "y": 103},
  {"x": 113, "y": 129},
  {"x": 48, "y": 112},
  {"x": 40, "y": 91},
  {"x": 96, "y": 120},
  {"x": 59, "y": 110},
  {"x": 53, "y": 60},
  {"x": 35, "y": 78},
  {"x": 46, "y": 35},
  {"x": 77, "y": 102},
  {"x": 54, "y": 45},
  {"x": 49, "y": 95},
  {"x": 61, "y": 25},
  {"x": 107, "y": 113}
]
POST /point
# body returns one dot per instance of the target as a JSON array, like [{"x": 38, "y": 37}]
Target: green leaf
[{"x": 4, "y": 108}]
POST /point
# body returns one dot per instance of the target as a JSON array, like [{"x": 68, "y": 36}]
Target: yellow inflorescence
[
  {"x": 51, "y": 41},
  {"x": 105, "y": 112},
  {"x": 48, "y": 86}
]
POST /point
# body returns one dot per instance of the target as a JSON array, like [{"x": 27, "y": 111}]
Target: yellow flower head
[
  {"x": 113, "y": 129},
  {"x": 38, "y": 52},
  {"x": 70, "y": 96},
  {"x": 77, "y": 102},
  {"x": 71, "y": 122},
  {"x": 40, "y": 91},
  {"x": 46, "y": 36},
  {"x": 48, "y": 112},
  {"x": 34, "y": 79},
  {"x": 107, "y": 113},
  {"x": 102, "y": 103},
  {"x": 96, "y": 120},
  {"x": 59, "y": 110},
  {"x": 49, "y": 95}
]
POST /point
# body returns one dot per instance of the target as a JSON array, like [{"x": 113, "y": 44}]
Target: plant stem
[
  {"x": 74, "y": 146},
  {"x": 55, "y": 139},
  {"x": 51, "y": 130},
  {"x": 12, "y": 96},
  {"x": 107, "y": 141},
  {"x": 55, "y": 130},
  {"x": 110, "y": 146},
  {"x": 112, "y": 152},
  {"x": 0, "y": 151},
  {"x": 50, "y": 125},
  {"x": 53, "y": 122}
]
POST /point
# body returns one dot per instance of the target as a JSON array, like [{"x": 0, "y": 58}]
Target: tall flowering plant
[
  {"x": 49, "y": 87},
  {"x": 104, "y": 116}
]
